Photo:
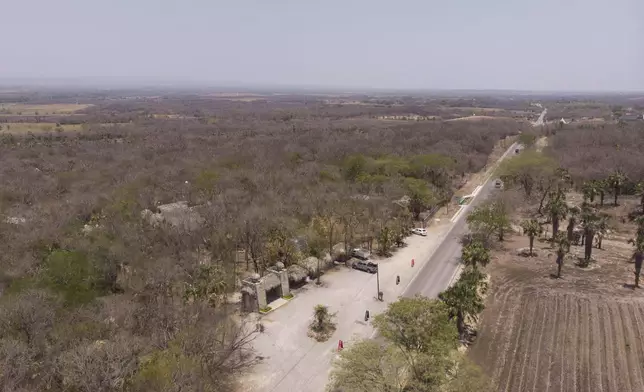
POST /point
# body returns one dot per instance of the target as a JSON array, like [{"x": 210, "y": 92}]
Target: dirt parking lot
[{"x": 583, "y": 332}]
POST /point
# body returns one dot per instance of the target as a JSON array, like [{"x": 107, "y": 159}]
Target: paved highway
[
  {"x": 444, "y": 263},
  {"x": 541, "y": 118}
]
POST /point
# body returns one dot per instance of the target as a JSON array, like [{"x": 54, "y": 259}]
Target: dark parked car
[{"x": 366, "y": 266}]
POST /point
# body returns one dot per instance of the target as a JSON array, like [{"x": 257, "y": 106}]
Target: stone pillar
[
  {"x": 261, "y": 294},
  {"x": 286, "y": 289}
]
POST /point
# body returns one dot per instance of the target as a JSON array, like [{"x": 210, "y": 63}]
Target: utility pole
[{"x": 378, "y": 283}]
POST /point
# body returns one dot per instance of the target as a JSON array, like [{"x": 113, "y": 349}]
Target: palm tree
[
  {"x": 563, "y": 246},
  {"x": 590, "y": 222},
  {"x": 590, "y": 190},
  {"x": 532, "y": 229},
  {"x": 638, "y": 255},
  {"x": 615, "y": 181},
  {"x": 640, "y": 228},
  {"x": 601, "y": 189},
  {"x": 564, "y": 179},
  {"x": 639, "y": 189},
  {"x": 573, "y": 214},
  {"x": 602, "y": 229},
  {"x": 474, "y": 254},
  {"x": 464, "y": 298},
  {"x": 557, "y": 209}
]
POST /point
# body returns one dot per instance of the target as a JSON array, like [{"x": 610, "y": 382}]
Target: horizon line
[{"x": 73, "y": 83}]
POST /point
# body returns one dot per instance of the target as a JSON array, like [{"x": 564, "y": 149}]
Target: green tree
[
  {"x": 434, "y": 168},
  {"x": 420, "y": 328},
  {"x": 420, "y": 196},
  {"x": 322, "y": 325},
  {"x": 557, "y": 209},
  {"x": 532, "y": 228},
  {"x": 279, "y": 247},
  {"x": 501, "y": 219},
  {"x": 208, "y": 282},
  {"x": 349, "y": 218},
  {"x": 490, "y": 218},
  {"x": 326, "y": 224},
  {"x": 562, "y": 180},
  {"x": 563, "y": 246},
  {"x": 590, "y": 189},
  {"x": 386, "y": 239},
  {"x": 354, "y": 166},
  {"x": 475, "y": 254},
  {"x": 368, "y": 366},
  {"x": 527, "y": 139},
  {"x": 527, "y": 170},
  {"x": 464, "y": 299},
  {"x": 205, "y": 184},
  {"x": 467, "y": 377},
  {"x": 615, "y": 182},
  {"x": 72, "y": 274}
]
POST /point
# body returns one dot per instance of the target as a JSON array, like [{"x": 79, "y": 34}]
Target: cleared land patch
[
  {"x": 479, "y": 118},
  {"x": 40, "y": 110}
]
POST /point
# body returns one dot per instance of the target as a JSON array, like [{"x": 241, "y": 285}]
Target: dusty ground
[{"x": 583, "y": 332}]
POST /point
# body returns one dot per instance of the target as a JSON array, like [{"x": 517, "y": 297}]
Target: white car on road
[{"x": 419, "y": 231}]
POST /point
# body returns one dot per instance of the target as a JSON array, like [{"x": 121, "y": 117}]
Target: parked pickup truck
[{"x": 366, "y": 266}]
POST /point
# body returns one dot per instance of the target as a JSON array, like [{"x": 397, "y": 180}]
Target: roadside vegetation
[{"x": 418, "y": 347}]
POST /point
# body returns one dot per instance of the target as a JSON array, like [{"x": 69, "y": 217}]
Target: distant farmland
[{"x": 20, "y": 109}]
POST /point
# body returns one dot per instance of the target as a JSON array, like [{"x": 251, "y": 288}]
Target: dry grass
[{"x": 35, "y": 110}]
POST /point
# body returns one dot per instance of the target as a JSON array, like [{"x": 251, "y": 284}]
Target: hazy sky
[{"x": 419, "y": 44}]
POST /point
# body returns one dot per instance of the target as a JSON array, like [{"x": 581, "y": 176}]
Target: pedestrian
[
  {"x": 397, "y": 280},
  {"x": 412, "y": 263},
  {"x": 366, "y": 316}
]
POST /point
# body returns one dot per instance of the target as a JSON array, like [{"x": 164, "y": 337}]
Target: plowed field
[{"x": 584, "y": 332}]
